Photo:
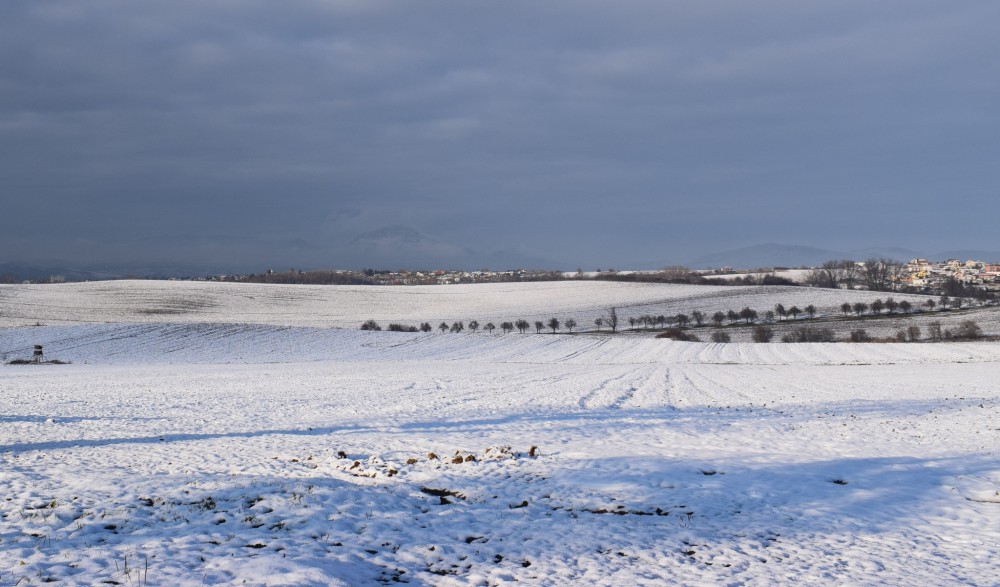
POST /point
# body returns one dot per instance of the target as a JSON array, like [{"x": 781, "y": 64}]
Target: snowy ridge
[
  {"x": 197, "y": 446},
  {"x": 348, "y": 306},
  {"x": 253, "y": 343}
]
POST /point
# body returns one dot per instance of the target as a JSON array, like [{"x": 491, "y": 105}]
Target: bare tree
[
  {"x": 891, "y": 305},
  {"x": 860, "y": 308},
  {"x": 598, "y": 322},
  {"x": 748, "y": 314},
  {"x": 522, "y": 325},
  {"x": 930, "y": 305},
  {"x": 881, "y": 274},
  {"x": 845, "y": 308},
  {"x": 811, "y": 310},
  {"x": 612, "y": 319},
  {"x": 877, "y": 306},
  {"x": 717, "y": 318},
  {"x": 698, "y": 317},
  {"x": 426, "y": 327},
  {"x": 682, "y": 320},
  {"x": 489, "y": 327},
  {"x": 539, "y": 325},
  {"x": 794, "y": 311},
  {"x": 849, "y": 276},
  {"x": 506, "y": 327},
  {"x": 473, "y": 326},
  {"x": 554, "y": 324},
  {"x": 837, "y": 272},
  {"x": 570, "y": 325},
  {"x": 457, "y": 326},
  {"x": 830, "y": 274},
  {"x": 905, "y": 306},
  {"x": 732, "y": 316},
  {"x": 780, "y": 309},
  {"x": 443, "y": 327}
]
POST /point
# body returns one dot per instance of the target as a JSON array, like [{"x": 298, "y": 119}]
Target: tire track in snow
[
  {"x": 591, "y": 346},
  {"x": 589, "y": 401}
]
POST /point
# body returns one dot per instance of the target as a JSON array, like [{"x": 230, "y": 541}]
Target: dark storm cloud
[{"x": 582, "y": 131}]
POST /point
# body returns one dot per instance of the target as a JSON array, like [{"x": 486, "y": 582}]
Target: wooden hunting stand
[{"x": 38, "y": 357}]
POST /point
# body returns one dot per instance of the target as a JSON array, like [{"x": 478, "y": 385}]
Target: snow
[
  {"x": 349, "y": 306},
  {"x": 213, "y": 448}
]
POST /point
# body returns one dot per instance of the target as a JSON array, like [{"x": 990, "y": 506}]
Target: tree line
[{"x": 521, "y": 325}]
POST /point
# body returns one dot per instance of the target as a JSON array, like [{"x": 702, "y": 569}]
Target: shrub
[
  {"x": 370, "y": 325},
  {"x": 677, "y": 334},
  {"x": 402, "y": 328},
  {"x": 762, "y": 333},
  {"x": 913, "y": 332},
  {"x": 809, "y": 334},
  {"x": 721, "y": 336},
  {"x": 968, "y": 330},
  {"x": 860, "y": 335}
]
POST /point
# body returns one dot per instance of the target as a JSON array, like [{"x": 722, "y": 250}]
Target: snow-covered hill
[{"x": 212, "y": 447}]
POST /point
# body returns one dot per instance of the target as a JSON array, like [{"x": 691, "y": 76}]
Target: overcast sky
[{"x": 589, "y": 133}]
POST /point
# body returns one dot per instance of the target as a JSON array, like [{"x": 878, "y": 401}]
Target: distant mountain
[
  {"x": 894, "y": 253},
  {"x": 967, "y": 255},
  {"x": 399, "y": 246},
  {"x": 766, "y": 255},
  {"x": 395, "y": 234}
]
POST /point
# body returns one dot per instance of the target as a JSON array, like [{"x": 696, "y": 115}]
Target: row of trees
[
  {"x": 876, "y": 274},
  {"x": 609, "y": 319},
  {"x": 780, "y": 312},
  {"x": 891, "y": 306},
  {"x": 521, "y": 325},
  {"x": 967, "y": 330},
  {"x": 696, "y": 318}
]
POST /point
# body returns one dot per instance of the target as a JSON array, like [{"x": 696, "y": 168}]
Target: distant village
[
  {"x": 917, "y": 275},
  {"x": 921, "y": 273}
]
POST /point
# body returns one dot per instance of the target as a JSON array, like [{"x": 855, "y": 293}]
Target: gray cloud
[{"x": 578, "y": 131}]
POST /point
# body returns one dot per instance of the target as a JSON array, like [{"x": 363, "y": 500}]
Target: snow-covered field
[
  {"x": 242, "y": 441},
  {"x": 322, "y": 306},
  {"x": 349, "y": 306}
]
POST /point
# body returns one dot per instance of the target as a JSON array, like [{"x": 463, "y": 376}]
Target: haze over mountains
[{"x": 403, "y": 247}]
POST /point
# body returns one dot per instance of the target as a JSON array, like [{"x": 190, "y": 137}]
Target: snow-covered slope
[
  {"x": 349, "y": 306},
  {"x": 264, "y": 451},
  {"x": 242, "y": 343}
]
